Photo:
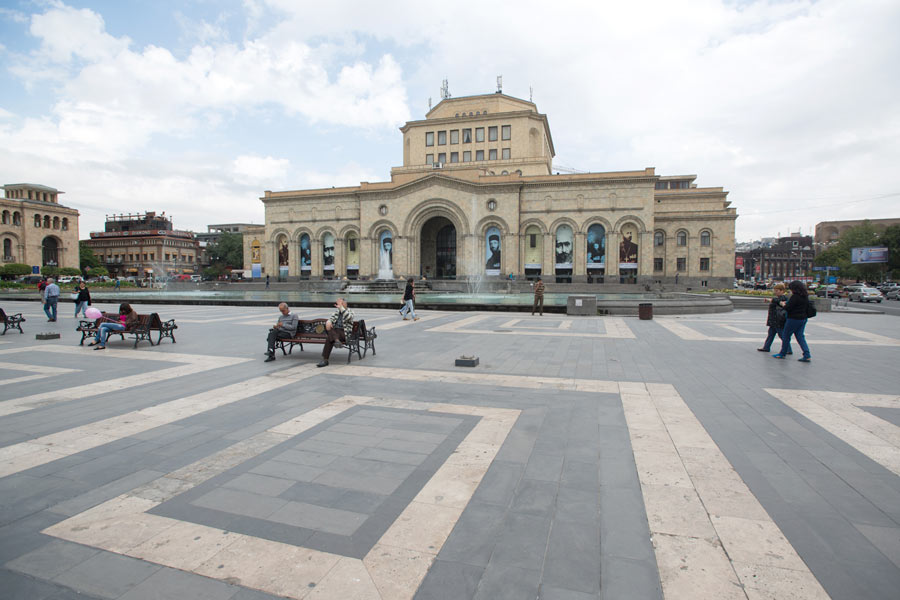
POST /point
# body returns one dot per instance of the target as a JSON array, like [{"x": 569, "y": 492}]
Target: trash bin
[{"x": 645, "y": 311}]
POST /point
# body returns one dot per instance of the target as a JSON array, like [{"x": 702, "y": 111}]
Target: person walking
[
  {"x": 51, "y": 299},
  {"x": 83, "y": 299},
  {"x": 538, "y": 297},
  {"x": 797, "y": 310},
  {"x": 267, "y": 282},
  {"x": 285, "y": 328},
  {"x": 118, "y": 284},
  {"x": 776, "y": 317},
  {"x": 409, "y": 297}
]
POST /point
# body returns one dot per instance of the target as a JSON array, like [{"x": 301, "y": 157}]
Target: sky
[{"x": 196, "y": 107}]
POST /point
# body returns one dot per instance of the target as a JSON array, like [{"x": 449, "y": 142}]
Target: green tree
[
  {"x": 87, "y": 258},
  {"x": 228, "y": 251},
  {"x": 15, "y": 270},
  {"x": 839, "y": 254}
]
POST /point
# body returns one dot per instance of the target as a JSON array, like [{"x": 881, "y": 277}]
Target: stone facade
[
  {"x": 476, "y": 197},
  {"x": 36, "y": 229},
  {"x": 828, "y": 232}
]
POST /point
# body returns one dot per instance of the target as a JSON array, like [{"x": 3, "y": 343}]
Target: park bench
[
  {"x": 142, "y": 330},
  {"x": 11, "y": 321},
  {"x": 312, "y": 331}
]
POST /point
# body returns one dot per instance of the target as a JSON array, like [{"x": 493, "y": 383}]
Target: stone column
[
  {"x": 612, "y": 257},
  {"x": 315, "y": 257},
  {"x": 579, "y": 256},
  {"x": 548, "y": 268}
]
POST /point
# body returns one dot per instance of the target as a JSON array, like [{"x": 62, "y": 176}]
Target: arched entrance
[
  {"x": 50, "y": 253},
  {"x": 438, "y": 249}
]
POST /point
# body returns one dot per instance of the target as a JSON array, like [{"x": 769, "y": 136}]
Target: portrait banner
[
  {"x": 628, "y": 248},
  {"x": 385, "y": 255},
  {"x": 305, "y": 253},
  {"x": 564, "y": 247},
  {"x": 492, "y": 249},
  {"x": 328, "y": 252},
  {"x": 596, "y": 246}
]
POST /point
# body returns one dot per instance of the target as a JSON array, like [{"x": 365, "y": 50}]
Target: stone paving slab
[{"x": 585, "y": 457}]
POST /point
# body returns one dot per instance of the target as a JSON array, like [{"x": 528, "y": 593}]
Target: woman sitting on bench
[{"x": 127, "y": 318}]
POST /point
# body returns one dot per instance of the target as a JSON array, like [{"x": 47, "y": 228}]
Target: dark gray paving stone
[
  {"x": 107, "y": 575},
  {"x": 573, "y": 556},
  {"x": 544, "y": 467},
  {"x": 51, "y": 559},
  {"x": 259, "y": 484},
  {"x": 522, "y": 542},
  {"x": 891, "y": 415},
  {"x": 169, "y": 583},
  {"x": 508, "y": 583},
  {"x": 105, "y": 492},
  {"x": 498, "y": 486},
  {"x": 535, "y": 497},
  {"x": 473, "y": 538},
  {"x": 300, "y": 457},
  {"x": 320, "y": 518},
  {"x": 16, "y": 586},
  {"x": 286, "y": 470},
  {"x": 449, "y": 581},
  {"x": 548, "y": 592},
  {"x": 382, "y": 454},
  {"x": 239, "y": 503}
]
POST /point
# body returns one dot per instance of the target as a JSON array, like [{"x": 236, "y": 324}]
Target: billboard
[{"x": 868, "y": 255}]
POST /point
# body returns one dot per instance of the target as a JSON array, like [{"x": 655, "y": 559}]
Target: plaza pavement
[{"x": 583, "y": 458}]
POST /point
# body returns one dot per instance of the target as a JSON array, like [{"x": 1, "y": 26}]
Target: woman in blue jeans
[
  {"x": 127, "y": 318},
  {"x": 796, "y": 308}
]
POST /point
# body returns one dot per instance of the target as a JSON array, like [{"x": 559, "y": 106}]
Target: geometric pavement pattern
[{"x": 585, "y": 458}]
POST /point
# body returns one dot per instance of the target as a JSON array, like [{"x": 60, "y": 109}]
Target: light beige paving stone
[
  {"x": 724, "y": 497},
  {"x": 773, "y": 583},
  {"x": 397, "y": 572},
  {"x": 756, "y": 541},
  {"x": 421, "y": 527},
  {"x": 451, "y": 486},
  {"x": 184, "y": 545},
  {"x": 692, "y": 568},
  {"x": 116, "y": 534},
  {"x": 273, "y": 567},
  {"x": 661, "y": 468},
  {"x": 348, "y": 580},
  {"x": 676, "y": 511}
]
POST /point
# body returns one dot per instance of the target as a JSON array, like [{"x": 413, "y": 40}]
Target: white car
[
  {"x": 866, "y": 294},
  {"x": 894, "y": 294},
  {"x": 65, "y": 279}
]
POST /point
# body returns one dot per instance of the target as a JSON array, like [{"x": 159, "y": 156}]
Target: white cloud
[{"x": 261, "y": 169}]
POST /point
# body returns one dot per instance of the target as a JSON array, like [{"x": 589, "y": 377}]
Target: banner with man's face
[
  {"x": 564, "y": 247},
  {"x": 386, "y": 245},
  {"x": 328, "y": 252},
  {"x": 628, "y": 247},
  {"x": 596, "y": 246},
  {"x": 492, "y": 260},
  {"x": 305, "y": 253}
]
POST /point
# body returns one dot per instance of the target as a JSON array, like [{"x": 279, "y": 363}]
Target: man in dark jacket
[{"x": 776, "y": 317}]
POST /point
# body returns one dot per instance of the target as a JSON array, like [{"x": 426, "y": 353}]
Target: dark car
[{"x": 30, "y": 279}]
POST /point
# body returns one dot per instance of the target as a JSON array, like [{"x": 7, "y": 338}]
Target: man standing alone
[
  {"x": 51, "y": 298},
  {"x": 538, "y": 297},
  {"x": 409, "y": 297},
  {"x": 285, "y": 328}
]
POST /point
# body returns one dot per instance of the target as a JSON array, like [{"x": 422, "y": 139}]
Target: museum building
[
  {"x": 477, "y": 197},
  {"x": 36, "y": 229}
]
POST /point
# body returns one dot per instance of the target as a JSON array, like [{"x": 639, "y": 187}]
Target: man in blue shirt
[{"x": 51, "y": 298}]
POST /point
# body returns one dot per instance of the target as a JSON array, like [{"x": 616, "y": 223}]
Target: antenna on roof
[
  {"x": 530, "y": 94},
  {"x": 499, "y": 84},
  {"x": 445, "y": 90}
]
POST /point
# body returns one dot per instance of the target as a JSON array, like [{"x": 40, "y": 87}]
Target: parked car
[
  {"x": 196, "y": 278},
  {"x": 66, "y": 279},
  {"x": 866, "y": 294},
  {"x": 827, "y": 291},
  {"x": 30, "y": 279},
  {"x": 894, "y": 294}
]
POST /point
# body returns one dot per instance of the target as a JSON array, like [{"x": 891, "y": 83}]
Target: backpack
[{"x": 810, "y": 309}]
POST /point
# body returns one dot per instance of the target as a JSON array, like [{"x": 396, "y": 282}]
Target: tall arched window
[
  {"x": 659, "y": 238},
  {"x": 37, "y": 220},
  {"x": 682, "y": 238},
  {"x": 65, "y": 224},
  {"x": 705, "y": 238},
  {"x": 7, "y": 249},
  {"x": 17, "y": 218},
  {"x": 6, "y": 217},
  {"x": 55, "y": 222},
  {"x": 46, "y": 221}
]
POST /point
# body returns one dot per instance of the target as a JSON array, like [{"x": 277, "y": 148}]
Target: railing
[{"x": 9, "y": 259}]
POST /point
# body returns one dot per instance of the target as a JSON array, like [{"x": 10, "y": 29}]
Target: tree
[
  {"x": 15, "y": 270},
  {"x": 87, "y": 258},
  {"x": 839, "y": 255},
  {"x": 228, "y": 251}
]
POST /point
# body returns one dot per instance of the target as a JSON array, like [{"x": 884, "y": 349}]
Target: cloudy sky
[{"x": 196, "y": 107}]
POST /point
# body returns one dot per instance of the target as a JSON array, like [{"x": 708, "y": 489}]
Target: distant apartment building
[
  {"x": 828, "y": 232},
  {"x": 212, "y": 234},
  {"x": 36, "y": 229},
  {"x": 787, "y": 257},
  {"x": 144, "y": 245}
]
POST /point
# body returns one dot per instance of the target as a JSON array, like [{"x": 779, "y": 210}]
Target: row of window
[
  {"x": 680, "y": 264},
  {"x": 454, "y": 137},
  {"x": 48, "y": 223},
  {"x": 151, "y": 255},
  {"x": 30, "y": 195},
  {"x": 505, "y": 154},
  {"x": 659, "y": 238},
  {"x": 673, "y": 185}
]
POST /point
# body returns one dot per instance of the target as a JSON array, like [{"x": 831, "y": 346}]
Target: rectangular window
[
  {"x": 492, "y": 134},
  {"x": 442, "y": 138},
  {"x": 657, "y": 264},
  {"x": 467, "y": 156},
  {"x": 704, "y": 264},
  {"x": 492, "y": 154},
  {"x": 467, "y": 136},
  {"x": 454, "y": 157},
  {"x": 662, "y": 185},
  {"x": 479, "y": 155},
  {"x": 532, "y": 240},
  {"x": 454, "y": 136},
  {"x": 479, "y": 134},
  {"x": 429, "y": 138},
  {"x": 167, "y": 257},
  {"x": 507, "y": 132},
  {"x": 681, "y": 264},
  {"x": 152, "y": 255},
  {"x": 442, "y": 157},
  {"x": 429, "y": 159},
  {"x": 506, "y": 153}
]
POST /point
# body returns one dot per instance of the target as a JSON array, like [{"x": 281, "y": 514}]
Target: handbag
[
  {"x": 810, "y": 309},
  {"x": 74, "y": 295}
]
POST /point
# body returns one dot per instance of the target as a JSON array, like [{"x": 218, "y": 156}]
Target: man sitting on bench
[
  {"x": 285, "y": 328},
  {"x": 338, "y": 327}
]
